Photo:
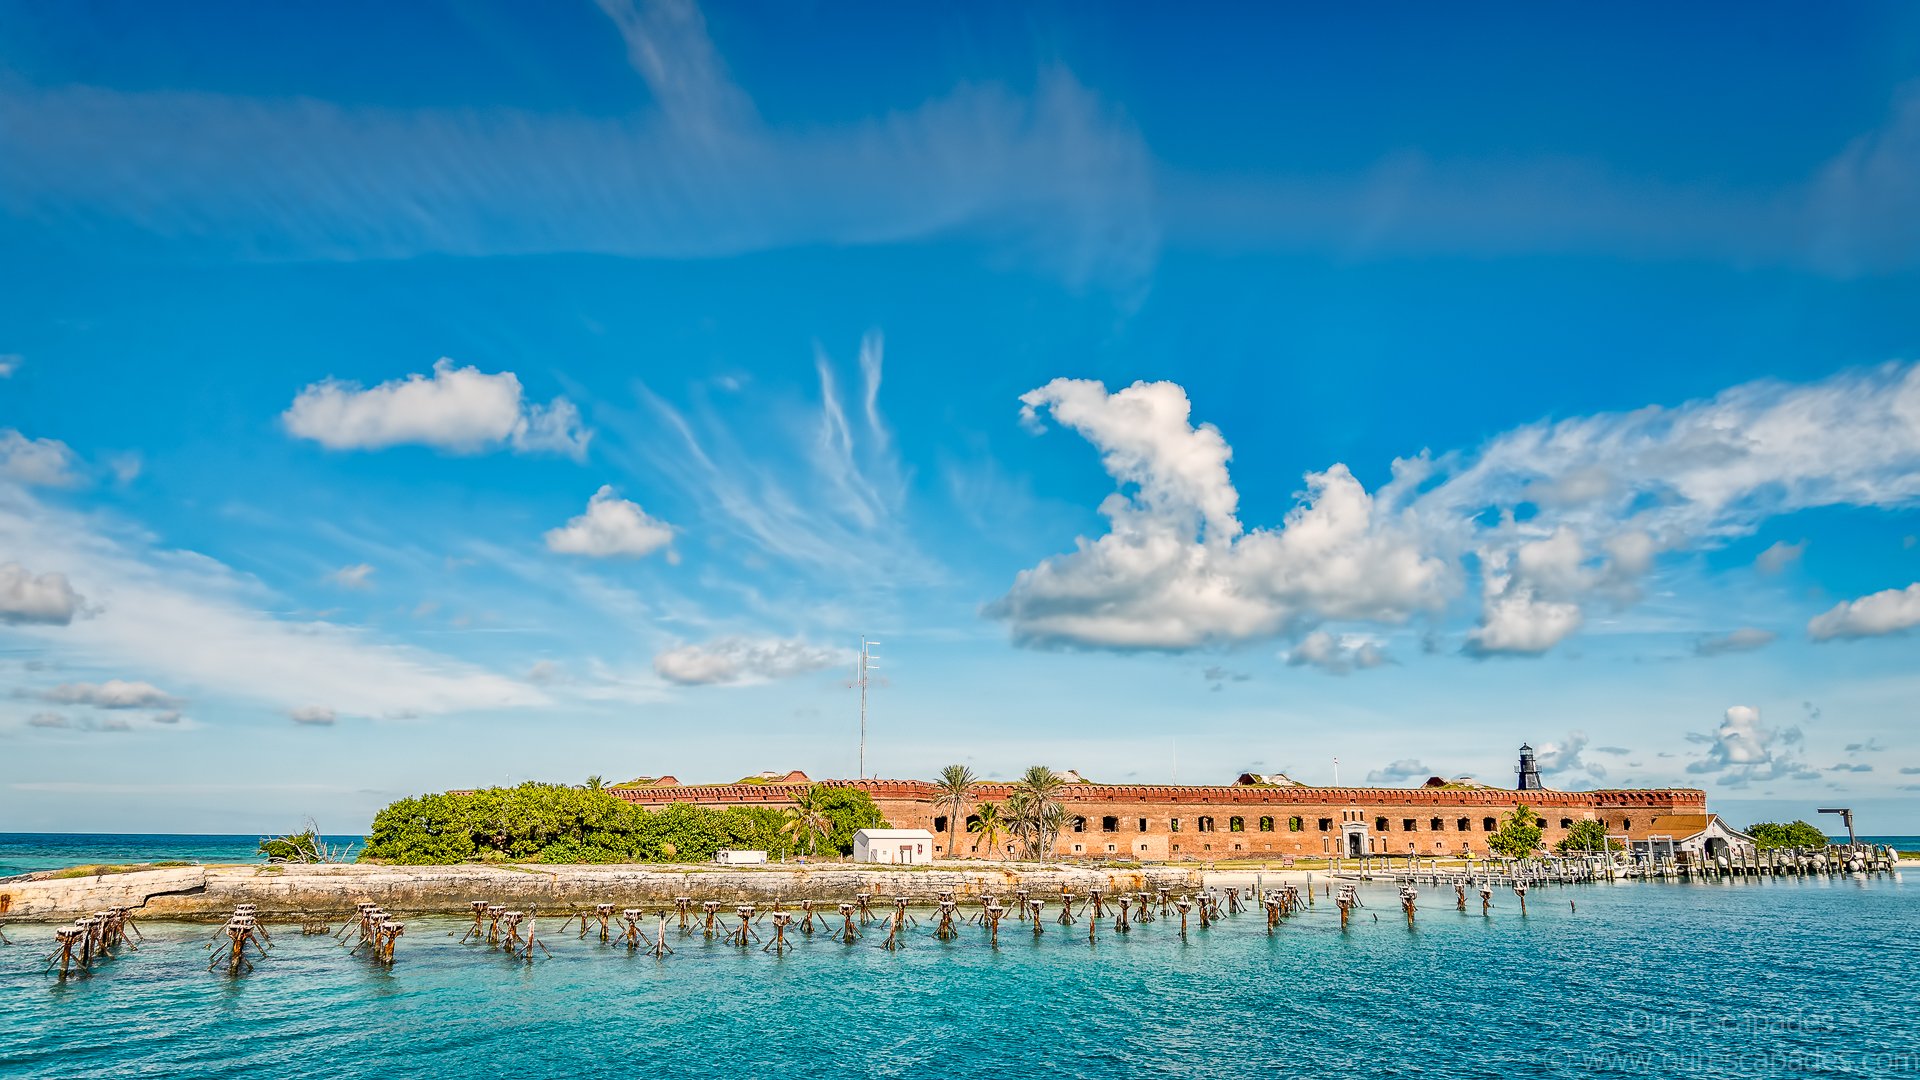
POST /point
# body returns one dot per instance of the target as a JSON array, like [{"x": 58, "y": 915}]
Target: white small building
[
  {"x": 898, "y": 846},
  {"x": 1697, "y": 836},
  {"x": 737, "y": 857}
]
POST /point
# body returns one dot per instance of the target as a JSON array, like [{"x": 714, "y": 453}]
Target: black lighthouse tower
[{"x": 1529, "y": 772}]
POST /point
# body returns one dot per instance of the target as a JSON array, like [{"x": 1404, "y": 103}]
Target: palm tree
[
  {"x": 987, "y": 824},
  {"x": 951, "y": 789},
  {"x": 1042, "y": 819},
  {"x": 596, "y": 782},
  {"x": 1019, "y": 819},
  {"x": 808, "y": 821}
]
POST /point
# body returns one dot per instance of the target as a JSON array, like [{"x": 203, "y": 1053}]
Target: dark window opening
[
  {"x": 1379, "y": 824},
  {"x": 1236, "y": 824},
  {"x": 1205, "y": 824},
  {"x": 1266, "y": 824},
  {"x": 1407, "y": 825},
  {"x": 1079, "y": 824},
  {"x": 1109, "y": 824},
  {"x": 1326, "y": 824},
  {"x": 1295, "y": 824},
  {"x": 1436, "y": 825},
  {"x": 1488, "y": 824}
]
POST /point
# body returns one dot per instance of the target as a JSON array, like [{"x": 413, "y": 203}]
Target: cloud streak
[{"x": 701, "y": 175}]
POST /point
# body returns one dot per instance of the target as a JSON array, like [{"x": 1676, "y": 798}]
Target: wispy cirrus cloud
[
  {"x": 700, "y": 175},
  {"x": 829, "y": 495},
  {"x": 1856, "y": 213},
  {"x": 210, "y": 629}
]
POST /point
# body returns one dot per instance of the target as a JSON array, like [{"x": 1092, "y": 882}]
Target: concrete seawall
[{"x": 282, "y": 891}]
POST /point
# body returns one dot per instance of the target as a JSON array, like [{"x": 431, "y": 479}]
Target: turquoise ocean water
[
  {"x": 1743, "y": 978},
  {"x": 22, "y": 853}
]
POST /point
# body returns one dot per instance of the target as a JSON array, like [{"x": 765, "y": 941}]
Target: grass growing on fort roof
[{"x": 556, "y": 823}]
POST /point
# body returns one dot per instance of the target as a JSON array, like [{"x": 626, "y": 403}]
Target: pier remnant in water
[
  {"x": 1033, "y": 907},
  {"x": 743, "y": 934},
  {"x": 1181, "y": 905},
  {"x": 945, "y": 931},
  {"x": 991, "y": 914},
  {"x": 630, "y": 935},
  {"x": 1066, "y": 907},
  {"x": 847, "y": 932},
  {"x": 1460, "y": 894},
  {"x": 1120, "y": 921},
  {"x": 240, "y": 932},
  {"x": 1408, "y": 894},
  {"x": 1520, "y": 890},
  {"x": 779, "y": 944},
  {"x": 1486, "y": 897},
  {"x": 710, "y": 909}
]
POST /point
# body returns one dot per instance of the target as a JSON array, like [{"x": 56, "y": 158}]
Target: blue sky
[{"x": 404, "y": 400}]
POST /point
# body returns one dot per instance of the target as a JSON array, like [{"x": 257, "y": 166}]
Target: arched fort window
[
  {"x": 972, "y": 820},
  {"x": 1326, "y": 824},
  {"x": 1408, "y": 824},
  {"x": 1266, "y": 824},
  {"x": 1236, "y": 824},
  {"x": 1626, "y": 823},
  {"x": 940, "y": 824},
  {"x": 1205, "y": 824},
  {"x": 1566, "y": 823},
  {"x": 1379, "y": 824},
  {"x": 1079, "y": 824},
  {"x": 1463, "y": 824},
  {"x": 1295, "y": 824},
  {"x": 1437, "y": 824},
  {"x": 1173, "y": 825},
  {"x": 1143, "y": 824},
  {"x": 1109, "y": 824},
  {"x": 1488, "y": 824}
]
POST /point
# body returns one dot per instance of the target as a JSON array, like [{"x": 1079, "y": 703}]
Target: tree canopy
[
  {"x": 1519, "y": 834},
  {"x": 1588, "y": 835},
  {"x": 1773, "y": 834},
  {"x": 557, "y": 823}
]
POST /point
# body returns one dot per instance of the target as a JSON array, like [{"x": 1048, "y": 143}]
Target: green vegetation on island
[
  {"x": 1797, "y": 834},
  {"x": 557, "y": 823},
  {"x": 1519, "y": 834},
  {"x": 1587, "y": 836}
]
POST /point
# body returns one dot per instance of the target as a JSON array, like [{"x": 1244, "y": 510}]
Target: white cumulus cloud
[
  {"x": 1176, "y": 568},
  {"x": 112, "y": 694},
  {"x": 1554, "y": 517},
  {"x": 1743, "y": 750},
  {"x": 742, "y": 660},
  {"x": 312, "y": 716},
  {"x": 26, "y": 597},
  {"x": 1337, "y": 655},
  {"x": 612, "y": 526},
  {"x": 461, "y": 410},
  {"x": 41, "y": 462},
  {"x": 1885, "y": 612},
  {"x": 1400, "y": 772}
]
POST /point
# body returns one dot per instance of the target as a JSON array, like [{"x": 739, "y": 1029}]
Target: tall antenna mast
[{"x": 860, "y": 668}]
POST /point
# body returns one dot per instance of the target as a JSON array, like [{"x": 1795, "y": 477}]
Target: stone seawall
[{"x": 282, "y": 891}]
